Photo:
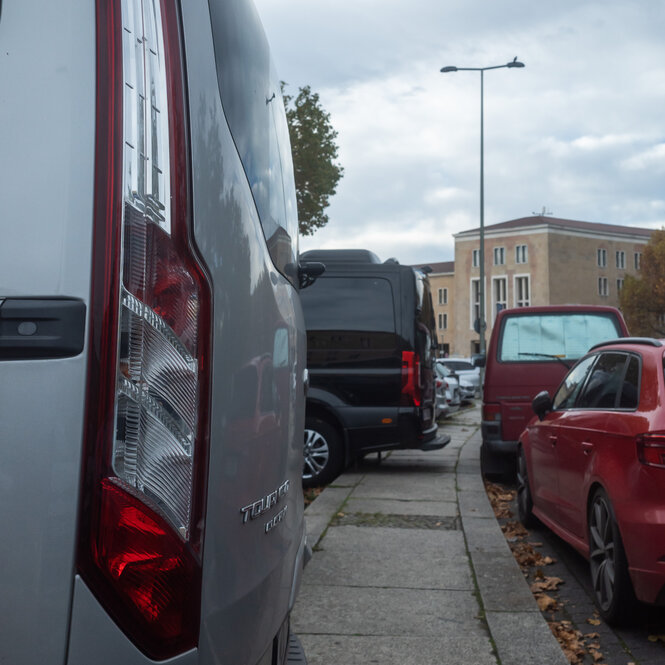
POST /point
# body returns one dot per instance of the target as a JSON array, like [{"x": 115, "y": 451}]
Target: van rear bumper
[{"x": 497, "y": 457}]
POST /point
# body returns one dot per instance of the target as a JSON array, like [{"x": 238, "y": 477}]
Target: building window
[
  {"x": 499, "y": 256},
  {"x": 521, "y": 254},
  {"x": 602, "y": 286},
  {"x": 522, "y": 292},
  {"x": 476, "y": 258},
  {"x": 621, "y": 260},
  {"x": 619, "y": 286},
  {"x": 445, "y": 296},
  {"x": 445, "y": 321},
  {"x": 440, "y": 297},
  {"x": 602, "y": 258},
  {"x": 440, "y": 321},
  {"x": 475, "y": 301},
  {"x": 638, "y": 260},
  {"x": 500, "y": 289}
]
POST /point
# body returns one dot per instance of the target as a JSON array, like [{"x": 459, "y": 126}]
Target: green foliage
[
  {"x": 642, "y": 298},
  {"x": 314, "y": 153}
]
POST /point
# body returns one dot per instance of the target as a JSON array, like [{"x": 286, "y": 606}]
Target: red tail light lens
[
  {"x": 492, "y": 412},
  {"x": 143, "y": 491},
  {"x": 411, "y": 395},
  {"x": 651, "y": 449}
]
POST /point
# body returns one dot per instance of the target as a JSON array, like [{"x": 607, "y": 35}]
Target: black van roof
[{"x": 329, "y": 256}]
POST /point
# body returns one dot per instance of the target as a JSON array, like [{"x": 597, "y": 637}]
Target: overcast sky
[{"x": 580, "y": 130}]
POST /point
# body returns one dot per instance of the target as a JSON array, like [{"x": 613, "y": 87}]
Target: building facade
[
  {"x": 536, "y": 260},
  {"x": 442, "y": 281}
]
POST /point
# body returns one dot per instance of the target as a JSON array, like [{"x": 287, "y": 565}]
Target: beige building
[{"x": 536, "y": 260}]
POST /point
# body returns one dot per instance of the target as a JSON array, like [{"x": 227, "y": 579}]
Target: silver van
[{"x": 152, "y": 342}]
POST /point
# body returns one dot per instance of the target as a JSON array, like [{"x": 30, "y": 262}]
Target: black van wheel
[
  {"x": 612, "y": 588},
  {"x": 323, "y": 453}
]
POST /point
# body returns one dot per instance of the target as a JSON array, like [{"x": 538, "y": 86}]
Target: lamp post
[{"x": 481, "y": 286}]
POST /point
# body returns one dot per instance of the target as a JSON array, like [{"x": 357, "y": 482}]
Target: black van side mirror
[
  {"x": 478, "y": 360},
  {"x": 308, "y": 272},
  {"x": 542, "y": 404}
]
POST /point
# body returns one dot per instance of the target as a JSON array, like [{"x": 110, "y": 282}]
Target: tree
[
  {"x": 642, "y": 298},
  {"x": 314, "y": 154}
]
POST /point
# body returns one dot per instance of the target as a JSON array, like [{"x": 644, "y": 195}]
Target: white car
[
  {"x": 448, "y": 397},
  {"x": 466, "y": 371}
]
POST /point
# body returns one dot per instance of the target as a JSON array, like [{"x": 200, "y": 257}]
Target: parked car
[
  {"x": 448, "y": 397},
  {"x": 531, "y": 349},
  {"x": 152, "y": 342},
  {"x": 370, "y": 332},
  {"x": 467, "y": 389},
  {"x": 467, "y": 372},
  {"x": 592, "y": 468}
]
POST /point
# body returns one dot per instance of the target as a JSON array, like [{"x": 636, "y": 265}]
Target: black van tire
[
  {"x": 612, "y": 588},
  {"x": 324, "y": 453}
]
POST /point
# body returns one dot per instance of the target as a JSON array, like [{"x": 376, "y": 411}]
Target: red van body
[{"x": 531, "y": 349}]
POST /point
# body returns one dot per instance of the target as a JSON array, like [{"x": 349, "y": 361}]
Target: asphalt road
[{"x": 642, "y": 643}]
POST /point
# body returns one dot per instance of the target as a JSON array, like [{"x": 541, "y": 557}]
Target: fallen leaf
[
  {"x": 546, "y": 584},
  {"x": 546, "y": 603},
  {"x": 595, "y": 622}
]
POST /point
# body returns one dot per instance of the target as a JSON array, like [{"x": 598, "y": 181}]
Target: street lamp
[{"x": 481, "y": 287}]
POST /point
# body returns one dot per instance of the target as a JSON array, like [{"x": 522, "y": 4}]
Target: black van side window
[{"x": 349, "y": 303}]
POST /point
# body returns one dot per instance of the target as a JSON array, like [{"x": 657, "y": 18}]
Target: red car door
[{"x": 587, "y": 432}]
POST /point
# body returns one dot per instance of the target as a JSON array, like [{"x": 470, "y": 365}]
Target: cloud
[{"x": 579, "y": 129}]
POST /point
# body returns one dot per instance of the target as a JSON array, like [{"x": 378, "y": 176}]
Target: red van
[{"x": 531, "y": 349}]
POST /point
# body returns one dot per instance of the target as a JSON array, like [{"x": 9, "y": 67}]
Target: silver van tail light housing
[{"x": 145, "y": 463}]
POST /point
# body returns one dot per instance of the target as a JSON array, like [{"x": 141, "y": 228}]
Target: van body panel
[
  {"x": 252, "y": 558},
  {"x": 257, "y": 411},
  {"x": 47, "y": 134},
  {"x": 530, "y": 350}
]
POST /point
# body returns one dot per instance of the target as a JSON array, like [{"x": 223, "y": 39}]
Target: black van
[{"x": 370, "y": 343}]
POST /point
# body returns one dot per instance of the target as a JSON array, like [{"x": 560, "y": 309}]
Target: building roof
[
  {"x": 438, "y": 268},
  {"x": 564, "y": 224}
]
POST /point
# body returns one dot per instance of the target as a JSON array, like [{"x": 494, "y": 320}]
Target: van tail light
[
  {"x": 145, "y": 457},
  {"x": 651, "y": 449},
  {"x": 491, "y": 412},
  {"x": 411, "y": 395}
]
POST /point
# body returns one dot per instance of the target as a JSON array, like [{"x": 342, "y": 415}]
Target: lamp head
[
  {"x": 445, "y": 70},
  {"x": 515, "y": 63}
]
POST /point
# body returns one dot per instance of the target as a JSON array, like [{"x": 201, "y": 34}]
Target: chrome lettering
[{"x": 255, "y": 509}]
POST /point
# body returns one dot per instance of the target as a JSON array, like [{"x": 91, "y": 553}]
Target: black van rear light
[
  {"x": 491, "y": 412},
  {"x": 141, "y": 530},
  {"x": 411, "y": 394},
  {"x": 651, "y": 449}
]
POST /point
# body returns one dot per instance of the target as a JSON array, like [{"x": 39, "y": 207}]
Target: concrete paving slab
[
  {"x": 523, "y": 638},
  {"x": 401, "y": 506},
  {"x": 339, "y": 610},
  {"x": 406, "y": 569},
  {"x": 398, "y": 484},
  {"x": 369, "y": 538},
  {"x": 470, "y": 482},
  {"x": 474, "y": 504},
  {"x": 482, "y": 535},
  {"x": 328, "y": 502},
  {"x": 501, "y": 583},
  {"x": 447, "y": 649}
]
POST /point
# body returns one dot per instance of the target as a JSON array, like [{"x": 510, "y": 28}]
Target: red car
[{"x": 591, "y": 467}]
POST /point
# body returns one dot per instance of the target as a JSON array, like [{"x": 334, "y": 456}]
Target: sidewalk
[{"x": 410, "y": 567}]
